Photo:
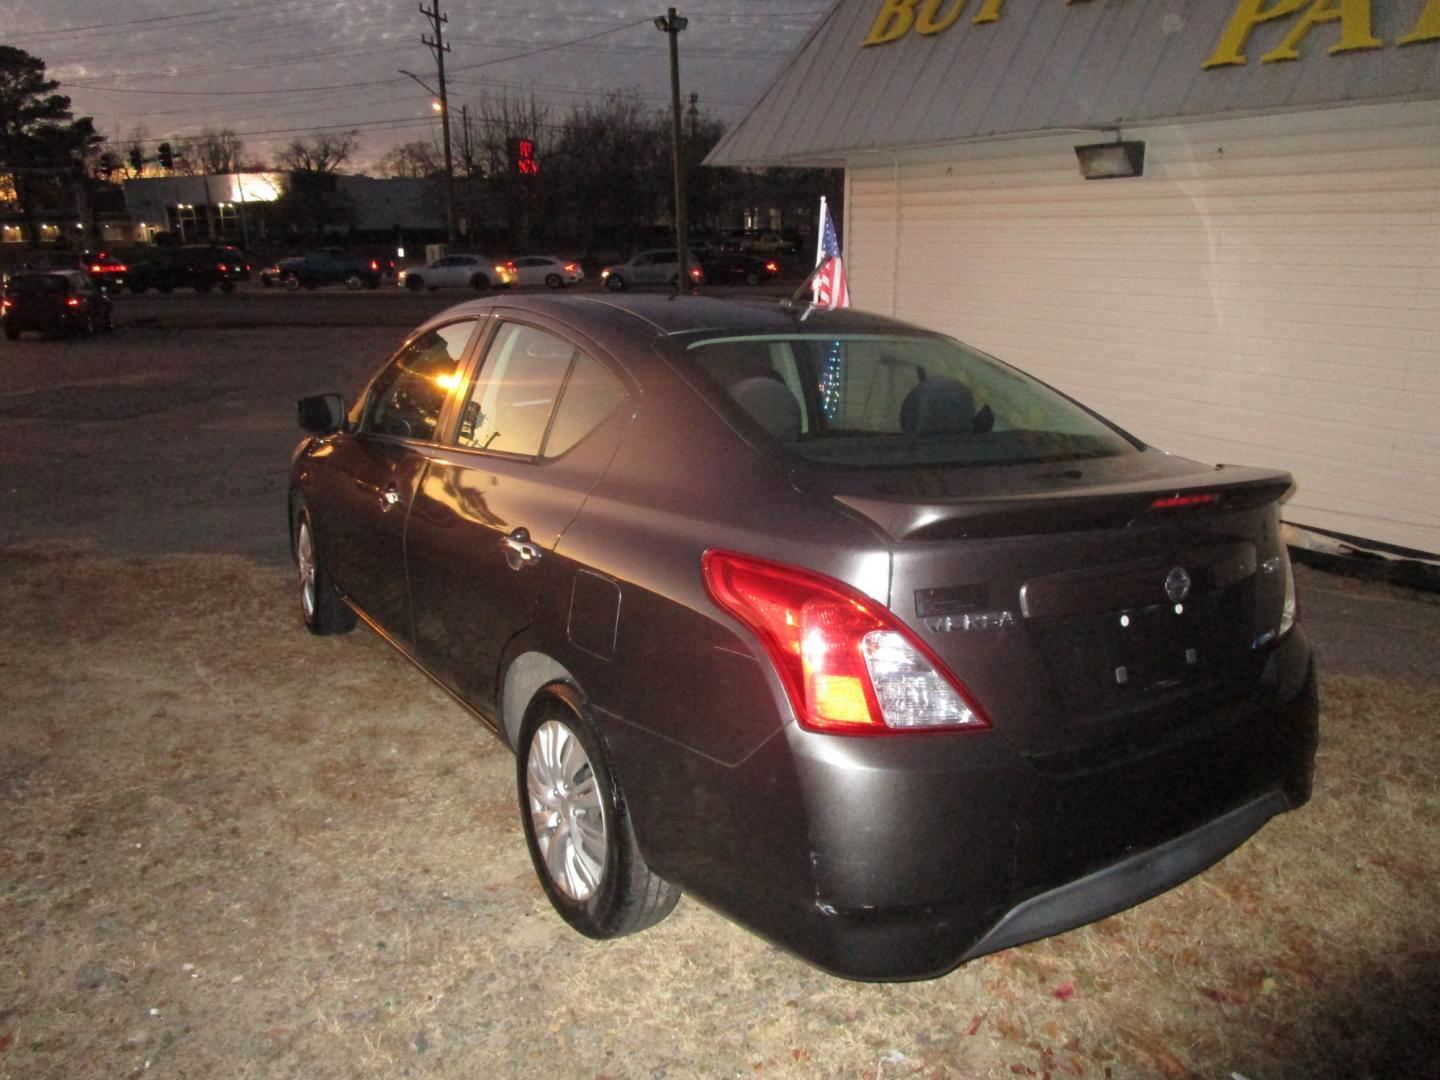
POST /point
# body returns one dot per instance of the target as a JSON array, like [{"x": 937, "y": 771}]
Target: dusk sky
[{"x": 274, "y": 70}]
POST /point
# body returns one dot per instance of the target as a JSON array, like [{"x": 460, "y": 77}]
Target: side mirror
[{"x": 322, "y": 414}]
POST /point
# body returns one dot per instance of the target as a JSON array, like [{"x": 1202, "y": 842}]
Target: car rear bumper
[{"x": 899, "y": 858}]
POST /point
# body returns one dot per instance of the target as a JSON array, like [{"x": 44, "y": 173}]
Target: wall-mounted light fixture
[{"x": 1110, "y": 161}]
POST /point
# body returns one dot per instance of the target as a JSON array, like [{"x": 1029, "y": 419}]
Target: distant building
[{"x": 239, "y": 207}]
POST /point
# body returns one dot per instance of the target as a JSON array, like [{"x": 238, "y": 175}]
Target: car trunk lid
[{"x": 1085, "y": 607}]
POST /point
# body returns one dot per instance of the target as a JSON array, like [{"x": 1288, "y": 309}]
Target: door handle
[
  {"x": 390, "y": 497},
  {"x": 520, "y": 550}
]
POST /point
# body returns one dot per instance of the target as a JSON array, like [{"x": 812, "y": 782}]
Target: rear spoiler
[{"x": 1108, "y": 506}]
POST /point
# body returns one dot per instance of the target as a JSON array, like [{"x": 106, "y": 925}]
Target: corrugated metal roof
[{"x": 1049, "y": 65}]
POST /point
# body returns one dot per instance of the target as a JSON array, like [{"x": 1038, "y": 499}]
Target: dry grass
[{"x": 233, "y": 850}]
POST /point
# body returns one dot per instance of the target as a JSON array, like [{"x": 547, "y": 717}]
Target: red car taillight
[
  {"x": 848, "y": 665},
  {"x": 73, "y": 301},
  {"x": 695, "y": 272},
  {"x": 773, "y": 267},
  {"x": 7, "y": 302},
  {"x": 221, "y": 267},
  {"x": 572, "y": 268},
  {"x": 374, "y": 265}
]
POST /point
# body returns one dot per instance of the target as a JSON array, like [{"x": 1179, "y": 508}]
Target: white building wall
[{"x": 1267, "y": 293}]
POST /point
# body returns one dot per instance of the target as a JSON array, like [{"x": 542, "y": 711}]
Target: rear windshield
[
  {"x": 36, "y": 283},
  {"x": 867, "y": 401}
]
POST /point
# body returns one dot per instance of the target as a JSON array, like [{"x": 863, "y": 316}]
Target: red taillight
[
  {"x": 1175, "y": 502},
  {"x": 772, "y": 267},
  {"x": 221, "y": 267},
  {"x": 119, "y": 268},
  {"x": 848, "y": 665},
  {"x": 7, "y": 302},
  {"x": 73, "y": 301},
  {"x": 97, "y": 269},
  {"x": 374, "y": 264},
  {"x": 695, "y": 272},
  {"x": 572, "y": 268}
]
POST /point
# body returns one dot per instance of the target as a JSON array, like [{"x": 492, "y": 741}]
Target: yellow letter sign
[
  {"x": 1354, "y": 16},
  {"x": 1427, "y": 28},
  {"x": 893, "y": 21}
]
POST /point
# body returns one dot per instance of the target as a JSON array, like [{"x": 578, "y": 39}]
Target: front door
[{"x": 380, "y": 467}]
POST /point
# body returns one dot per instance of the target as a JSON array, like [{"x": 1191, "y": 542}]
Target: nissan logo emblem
[{"x": 1177, "y": 584}]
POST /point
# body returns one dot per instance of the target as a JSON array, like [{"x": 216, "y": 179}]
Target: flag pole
[{"x": 819, "y": 252}]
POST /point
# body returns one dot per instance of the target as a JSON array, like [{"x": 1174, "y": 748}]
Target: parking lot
[{"x": 234, "y": 850}]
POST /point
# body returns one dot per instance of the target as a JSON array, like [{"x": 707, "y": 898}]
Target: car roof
[{"x": 669, "y": 315}]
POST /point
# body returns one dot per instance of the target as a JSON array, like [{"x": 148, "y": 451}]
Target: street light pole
[
  {"x": 445, "y": 140},
  {"x": 670, "y": 23},
  {"x": 439, "y": 48}
]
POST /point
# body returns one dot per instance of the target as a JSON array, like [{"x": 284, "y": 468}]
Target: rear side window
[
  {"x": 530, "y": 375},
  {"x": 406, "y": 398},
  {"x": 591, "y": 393},
  {"x": 869, "y": 401}
]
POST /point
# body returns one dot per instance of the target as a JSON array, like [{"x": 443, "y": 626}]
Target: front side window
[
  {"x": 875, "y": 401},
  {"x": 406, "y": 398}
]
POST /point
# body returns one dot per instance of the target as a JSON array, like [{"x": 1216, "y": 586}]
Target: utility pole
[
  {"x": 670, "y": 23},
  {"x": 439, "y": 48}
]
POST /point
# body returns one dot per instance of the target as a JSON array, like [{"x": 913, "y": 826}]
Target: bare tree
[
  {"x": 321, "y": 153},
  {"x": 412, "y": 160},
  {"x": 211, "y": 152}
]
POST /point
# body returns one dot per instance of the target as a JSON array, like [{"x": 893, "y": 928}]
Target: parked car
[
  {"x": 276, "y": 272},
  {"x": 734, "y": 268},
  {"x": 478, "y": 272},
  {"x": 330, "y": 266},
  {"x": 56, "y": 302},
  {"x": 767, "y": 243},
  {"x": 546, "y": 270},
  {"x": 869, "y": 641},
  {"x": 201, "y": 267},
  {"x": 660, "y": 266},
  {"x": 106, "y": 271}
]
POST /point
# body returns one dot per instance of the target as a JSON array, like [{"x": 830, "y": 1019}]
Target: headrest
[
  {"x": 938, "y": 407},
  {"x": 771, "y": 405}
]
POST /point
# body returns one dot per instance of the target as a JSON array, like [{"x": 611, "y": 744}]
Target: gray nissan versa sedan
[{"x": 871, "y": 642}]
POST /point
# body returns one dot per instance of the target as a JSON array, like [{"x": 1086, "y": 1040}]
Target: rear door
[{"x": 538, "y": 424}]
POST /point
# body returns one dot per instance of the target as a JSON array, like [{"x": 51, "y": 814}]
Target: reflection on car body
[{"x": 873, "y": 643}]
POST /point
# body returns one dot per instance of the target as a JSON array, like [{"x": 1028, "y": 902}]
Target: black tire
[
  {"x": 413, "y": 283},
  {"x": 321, "y": 608},
  {"x": 354, "y": 282},
  {"x": 553, "y": 281},
  {"x": 291, "y": 282},
  {"x": 615, "y": 283},
  {"x": 12, "y": 332},
  {"x": 611, "y": 892},
  {"x": 479, "y": 282}
]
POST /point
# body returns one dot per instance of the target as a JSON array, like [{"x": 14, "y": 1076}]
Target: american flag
[{"x": 830, "y": 288}]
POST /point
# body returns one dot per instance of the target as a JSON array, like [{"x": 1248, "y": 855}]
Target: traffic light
[
  {"x": 167, "y": 156},
  {"x": 137, "y": 161},
  {"x": 106, "y": 165}
]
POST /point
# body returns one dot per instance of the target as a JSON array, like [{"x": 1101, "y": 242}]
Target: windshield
[{"x": 871, "y": 401}]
